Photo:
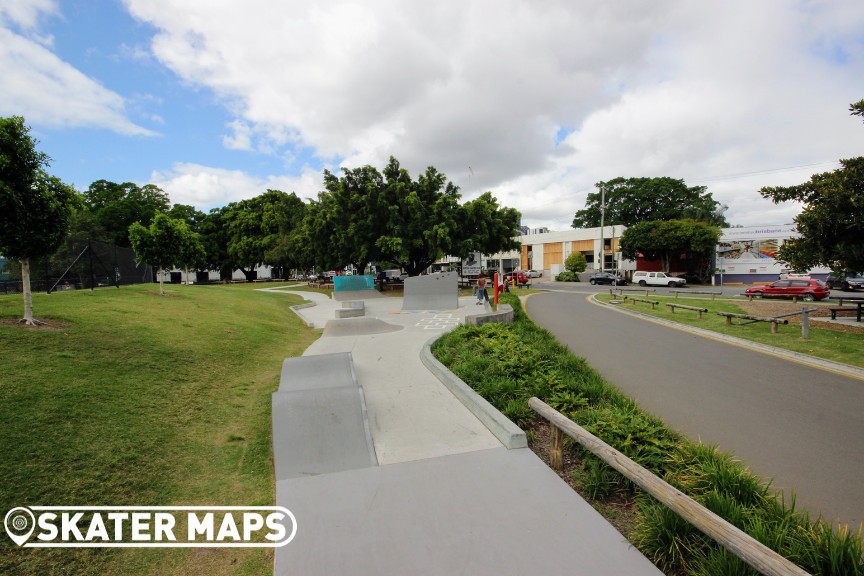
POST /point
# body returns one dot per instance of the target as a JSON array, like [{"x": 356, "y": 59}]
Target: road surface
[{"x": 801, "y": 426}]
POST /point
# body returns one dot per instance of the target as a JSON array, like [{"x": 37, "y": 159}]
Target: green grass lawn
[
  {"x": 822, "y": 343},
  {"x": 137, "y": 399}
]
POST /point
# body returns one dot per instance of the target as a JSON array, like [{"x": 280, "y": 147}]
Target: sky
[{"x": 215, "y": 101}]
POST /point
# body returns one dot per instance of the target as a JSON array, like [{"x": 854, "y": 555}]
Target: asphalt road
[{"x": 801, "y": 426}]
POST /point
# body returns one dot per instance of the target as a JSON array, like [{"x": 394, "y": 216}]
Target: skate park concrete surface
[{"x": 438, "y": 493}]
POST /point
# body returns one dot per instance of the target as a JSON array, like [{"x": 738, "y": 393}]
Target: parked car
[
  {"x": 520, "y": 277},
  {"x": 606, "y": 278},
  {"x": 535, "y": 273},
  {"x": 850, "y": 282},
  {"x": 657, "y": 279},
  {"x": 801, "y": 287}
]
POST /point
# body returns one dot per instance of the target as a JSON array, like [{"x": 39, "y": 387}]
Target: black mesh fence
[{"x": 78, "y": 265}]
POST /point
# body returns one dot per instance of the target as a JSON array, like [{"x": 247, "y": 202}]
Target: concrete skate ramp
[
  {"x": 319, "y": 415},
  {"x": 432, "y": 292},
  {"x": 356, "y": 295},
  {"x": 358, "y": 327}
]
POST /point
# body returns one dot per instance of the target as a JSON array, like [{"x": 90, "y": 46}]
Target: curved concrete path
[
  {"x": 800, "y": 425},
  {"x": 447, "y": 497}
]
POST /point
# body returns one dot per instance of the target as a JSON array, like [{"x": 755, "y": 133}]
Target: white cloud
[
  {"x": 669, "y": 88},
  {"x": 45, "y": 90},
  {"x": 206, "y": 187}
]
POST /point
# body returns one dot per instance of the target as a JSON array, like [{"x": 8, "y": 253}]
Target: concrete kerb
[
  {"x": 829, "y": 365},
  {"x": 510, "y": 435}
]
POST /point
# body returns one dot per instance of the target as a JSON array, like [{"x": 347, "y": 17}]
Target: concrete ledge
[
  {"x": 351, "y": 309},
  {"x": 510, "y": 435},
  {"x": 503, "y": 315}
]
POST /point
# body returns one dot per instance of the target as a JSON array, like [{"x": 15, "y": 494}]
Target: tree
[
  {"x": 667, "y": 239},
  {"x": 367, "y": 216},
  {"x": 166, "y": 243},
  {"x": 630, "y": 201},
  {"x": 831, "y": 224},
  {"x": 857, "y": 109},
  {"x": 254, "y": 227},
  {"x": 425, "y": 221},
  {"x": 34, "y": 207},
  {"x": 116, "y": 206},
  {"x": 575, "y": 263}
]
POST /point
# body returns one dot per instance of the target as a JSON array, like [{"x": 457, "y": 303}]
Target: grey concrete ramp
[
  {"x": 317, "y": 372},
  {"x": 495, "y": 511},
  {"x": 320, "y": 431},
  {"x": 432, "y": 292},
  {"x": 358, "y": 327},
  {"x": 319, "y": 418}
]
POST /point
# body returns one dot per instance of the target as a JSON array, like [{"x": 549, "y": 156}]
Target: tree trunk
[
  {"x": 28, "y": 294},
  {"x": 161, "y": 280}
]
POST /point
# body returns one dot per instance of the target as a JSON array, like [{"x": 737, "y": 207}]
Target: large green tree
[
  {"x": 255, "y": 227},
  {"x": 366, "y": 215},
  {"x": 831, "y": 225},
  {"x": 166, "y": 243},
  {"x": 667, "y": 239},
  {"x": 116, "y": 206},
  {"x": 35, "y": 207},
  {"x": 630, "y": 201}
]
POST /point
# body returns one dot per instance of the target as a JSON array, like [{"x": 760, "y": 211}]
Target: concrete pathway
[{"x": 447, "y": 497}]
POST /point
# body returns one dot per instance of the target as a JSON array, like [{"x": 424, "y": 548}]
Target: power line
[{"x": 742, "y": 174}]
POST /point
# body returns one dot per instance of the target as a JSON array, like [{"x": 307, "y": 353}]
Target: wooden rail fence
[{"x": 744, "y": 546}]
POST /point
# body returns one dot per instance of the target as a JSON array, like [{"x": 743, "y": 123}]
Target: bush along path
[{"x": 509, "y": 363}]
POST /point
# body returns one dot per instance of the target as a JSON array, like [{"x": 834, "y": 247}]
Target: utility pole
[{"x": 602, "y": 223}]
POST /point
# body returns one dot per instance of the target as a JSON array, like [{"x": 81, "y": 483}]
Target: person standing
[{"x": 481, "y": 289}]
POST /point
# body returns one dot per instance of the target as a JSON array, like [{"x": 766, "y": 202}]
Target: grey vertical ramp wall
[
  {"x": 433, "y": 292},
  {"x": 319, "y": 418}
]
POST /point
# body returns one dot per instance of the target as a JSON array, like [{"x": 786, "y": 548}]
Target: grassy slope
[{"x": 142, "y": 400}]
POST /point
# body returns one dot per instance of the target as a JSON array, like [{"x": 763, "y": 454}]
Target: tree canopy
[
  {"x": 35, "y": 207},
  {"x": 831, "y": 225},
  {"x": 368, "y": 216},
  {"x": 116, "y": 206},
  {"x": 668, "y": 239},
  {"x": 630, "y": 201},
  {"x": 166, "y": 243},
  {"x": 255, "y": 227}
]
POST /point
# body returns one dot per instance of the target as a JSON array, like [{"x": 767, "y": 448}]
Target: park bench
[
  {"x": 634, "y": 299},
  {"x": 696, "y": 309},
  {"x": 700, "y": 292},
  {"x": 621, "y": 291},
  {"x": 834, "y": 311},
  {"x": 774, "y": 321}
]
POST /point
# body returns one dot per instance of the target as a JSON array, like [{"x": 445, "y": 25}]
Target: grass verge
[
  {"x": 823, "y": 342},
  {"x": 136, "y": 399},
  {"x": 509, "y": 363}
]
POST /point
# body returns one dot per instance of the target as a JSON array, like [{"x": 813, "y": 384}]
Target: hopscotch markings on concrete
[{"x": 439, "y": 322}]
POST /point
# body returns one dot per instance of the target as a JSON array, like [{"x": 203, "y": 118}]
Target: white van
[{"x": 657, "y": 279}]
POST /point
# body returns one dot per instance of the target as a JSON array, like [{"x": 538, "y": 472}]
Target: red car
[
  {"x": 800, "y": 287},
  {"x": 520, "y": 277}
]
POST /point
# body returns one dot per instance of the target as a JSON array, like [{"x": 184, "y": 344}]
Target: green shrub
[
  {"x": 509, "y": 363},
  {"x": 567, "y": 277}
]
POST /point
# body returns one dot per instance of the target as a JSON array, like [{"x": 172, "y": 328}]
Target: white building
[{"x": 749, "y": 254}]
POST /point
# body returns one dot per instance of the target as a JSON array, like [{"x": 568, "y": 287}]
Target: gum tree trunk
[{"x": 28, "y": 294}]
